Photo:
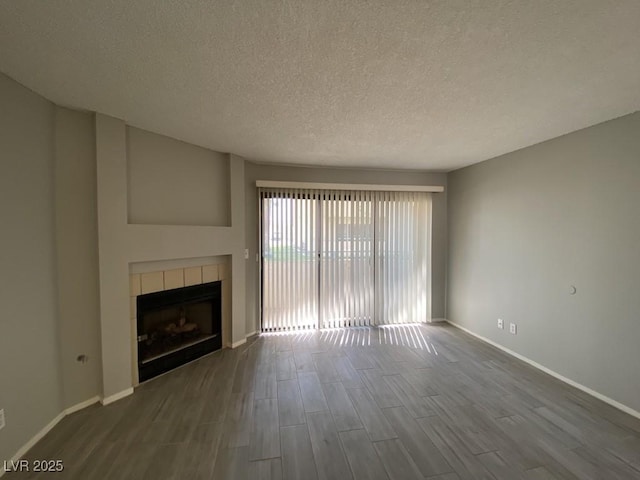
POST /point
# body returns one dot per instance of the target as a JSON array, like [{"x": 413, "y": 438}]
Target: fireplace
[{"x": 177, "y": 326}]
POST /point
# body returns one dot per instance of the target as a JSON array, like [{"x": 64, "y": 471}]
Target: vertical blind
[
  {"x": 347, "y": 259},
  {"x": 344, "y": 258},
  {"x": 289, "y": 260}
]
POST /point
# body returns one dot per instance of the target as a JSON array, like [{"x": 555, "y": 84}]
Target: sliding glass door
[
  {"x": 402, "y": 232},
  {"x": 344, "y": 258},
  {"x": 289, "y": 260}
]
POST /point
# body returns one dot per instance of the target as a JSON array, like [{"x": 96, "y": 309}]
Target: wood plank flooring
[{"x": 407, "y": 402}]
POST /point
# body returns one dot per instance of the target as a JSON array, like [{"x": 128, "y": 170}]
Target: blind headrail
[{"x": 350, "y": 186}]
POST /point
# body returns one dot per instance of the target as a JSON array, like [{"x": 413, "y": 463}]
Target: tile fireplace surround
[{"x": 158, "y": 281}]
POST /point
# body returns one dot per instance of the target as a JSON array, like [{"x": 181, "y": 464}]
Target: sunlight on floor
[{"x": 407, "y": 335}]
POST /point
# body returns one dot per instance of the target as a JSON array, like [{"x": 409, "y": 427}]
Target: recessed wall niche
[{"x": 174, "y": 183}]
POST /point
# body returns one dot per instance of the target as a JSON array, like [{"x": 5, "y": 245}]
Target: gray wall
[
  {"x": 30, "y": 378},
  {"x": 175, "y": 183},
  {"x": 255, "y": 172},
  {"x": 77, "y": 254},
  {"x": 526, "y": 226}
]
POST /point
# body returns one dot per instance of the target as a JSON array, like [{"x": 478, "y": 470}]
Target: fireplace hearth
[{"x": 177, "y": 326}]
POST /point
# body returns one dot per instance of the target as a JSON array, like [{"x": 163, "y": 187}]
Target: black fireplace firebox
[{"x": 177, "y": 326}]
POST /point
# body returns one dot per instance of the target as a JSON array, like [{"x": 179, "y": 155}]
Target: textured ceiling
[{"x": 391, "y": 83}]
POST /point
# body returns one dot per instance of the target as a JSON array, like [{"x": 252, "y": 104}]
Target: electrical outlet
[
  {"x": 2, "y": 418},
  {"x": 500, "y": 323},
  {"x": 246, "y": 254},
  {"x": 513, "y": 329}
]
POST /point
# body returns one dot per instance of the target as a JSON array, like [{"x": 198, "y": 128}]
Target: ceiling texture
[{"x": 409, "y": 84}]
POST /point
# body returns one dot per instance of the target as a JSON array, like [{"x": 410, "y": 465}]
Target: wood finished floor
[{"x": 400, "y": 403}]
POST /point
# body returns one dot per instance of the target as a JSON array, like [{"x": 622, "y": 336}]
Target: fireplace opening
[{"x": 177, "y": 326}]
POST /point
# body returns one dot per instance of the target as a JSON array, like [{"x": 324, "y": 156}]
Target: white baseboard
[
  {"x": 82, "y": 405},
  {"x": 546, "y": 370},
  {"x": 36, "y": 438},
  {"x": 116, "y": 396},
  {"x": 238, "y": 343},
  {"x": 251, "y": 334},
  {"x": 438, "y": 320}
]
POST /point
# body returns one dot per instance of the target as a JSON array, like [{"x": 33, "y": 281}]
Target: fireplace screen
[{"x": 177, "y": 326}]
